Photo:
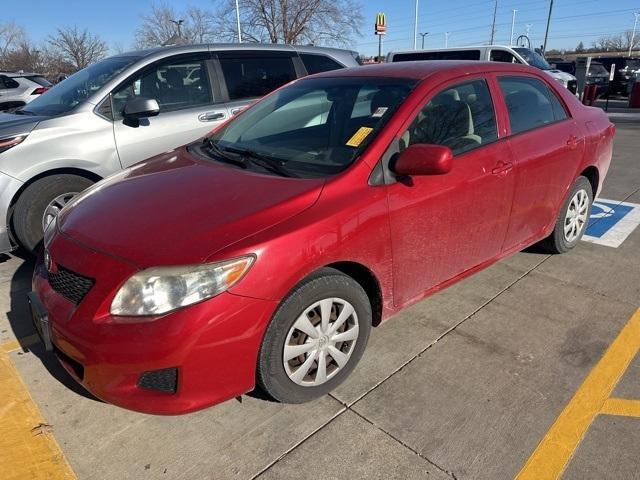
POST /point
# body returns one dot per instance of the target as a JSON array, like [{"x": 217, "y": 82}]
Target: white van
[{"x": 492, "y": 53}]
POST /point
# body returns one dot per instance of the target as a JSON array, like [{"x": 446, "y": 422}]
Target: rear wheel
[
  {"x": 573, "y": 219},
  {"x": 315, "y": 339},
  {"x": 40, "y": 203}
]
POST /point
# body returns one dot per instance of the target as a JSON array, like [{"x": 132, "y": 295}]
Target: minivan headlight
[
  {"x": 160, "y": 290},
  {"x": 7, "y": 142}
]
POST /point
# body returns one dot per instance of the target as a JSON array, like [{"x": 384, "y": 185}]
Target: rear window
[
  {"x": 251, "y": 77},
  {"x": 441, "y": 55},
  {"x": 318, "y": 63},
  {"x": 40, "y": 80}
]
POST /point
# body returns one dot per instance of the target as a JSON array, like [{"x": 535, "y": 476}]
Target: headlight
[
  {"x": 160, "y": 290},
  {"x": 7, "y": 142}
]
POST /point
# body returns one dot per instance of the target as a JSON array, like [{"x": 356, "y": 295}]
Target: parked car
[
  {"x": 125, "y": 109},
  {"x": 492, "y": 53},
  {"x": 564, "y": 66},
  {"x": 624, "y": 71},
  {"x": 599, "y": 76},
  {"x": 268, "y": 250},
  {"x": 19, "y": 88}
]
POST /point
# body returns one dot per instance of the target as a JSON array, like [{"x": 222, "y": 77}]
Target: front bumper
[
  {"x": 9, "y": 186},
  {"x": 213, "y": 344}
]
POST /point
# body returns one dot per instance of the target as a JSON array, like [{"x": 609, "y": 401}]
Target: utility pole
[
  {"x": 238, "y": 22},
  {"x": 493, "y": 27},
  {"x": 633, "y": 35},
  {"x": 513, "y": 24},
  {"x": 546, "y": 33},
  {"x": 415, "y": 28},
  {"x": 423, "y": 35},
  {"x": 446, "y": 39}
]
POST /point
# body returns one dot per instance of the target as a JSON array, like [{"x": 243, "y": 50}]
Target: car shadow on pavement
[{"x": 20, "y": 320}]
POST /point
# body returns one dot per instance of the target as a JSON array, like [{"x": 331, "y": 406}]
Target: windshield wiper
[
  {"x": 222, "y": 154},
  {"x": 22, "y": 111},
  {"x": 265, "y": 161}
]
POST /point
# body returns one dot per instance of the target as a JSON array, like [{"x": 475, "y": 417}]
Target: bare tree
[
  {"x": 78, "y": 47},
  {"x": 164, "y": 25},
  {"x": 332, "y": 22},
  {"x": 11, "y": 36}
]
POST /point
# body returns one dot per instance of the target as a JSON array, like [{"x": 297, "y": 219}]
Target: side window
[
  {"x": 530, "y": 103},
  {"x": 175, "y": 84},
  {"x": 251, "y": 77},
  {"x": 502, "y": 56},
  {"x": 461, "y": 118},
  {"x": 7, "y": 82},
  {"x": 318, "y": 63}
]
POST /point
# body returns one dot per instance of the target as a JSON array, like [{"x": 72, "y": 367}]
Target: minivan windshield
[
  {"x": 533, "y": 58},
  {"x": 78, "y": 87},
  {"x": 311, "y": 128}
]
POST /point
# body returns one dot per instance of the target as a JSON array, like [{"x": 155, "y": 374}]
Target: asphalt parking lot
[{"x": 529, "y": 368}]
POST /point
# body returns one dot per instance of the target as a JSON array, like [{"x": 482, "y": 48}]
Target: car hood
[
  {"x": 177, "y": 209},
  {"x": 559, "y": 74},
  {"x": 11, "y": 124}
]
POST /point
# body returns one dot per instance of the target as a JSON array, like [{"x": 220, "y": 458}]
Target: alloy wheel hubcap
[
  {"x": 320, "y": 342},
  {"x": 54, "y": 207},
  {"x": 576, "y": 216}
]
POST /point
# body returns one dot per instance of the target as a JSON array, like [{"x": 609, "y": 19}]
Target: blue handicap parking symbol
[{"x": 611, "y": 222}]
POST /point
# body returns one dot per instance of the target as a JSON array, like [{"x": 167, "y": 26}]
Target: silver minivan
[
  {"x": 490, "y": 53},
  {"x": 125, "y": 109}
]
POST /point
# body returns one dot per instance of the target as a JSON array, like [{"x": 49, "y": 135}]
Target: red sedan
[{"x": 264, "y": 254}]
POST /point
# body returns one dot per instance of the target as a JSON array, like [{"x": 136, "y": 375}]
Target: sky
[{"x": 469, "y": 21}]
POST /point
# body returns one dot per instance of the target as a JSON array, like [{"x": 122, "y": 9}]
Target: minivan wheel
[
  {"x": 315, "y": 339},
  {"x": 572, "y": 220},
  {"x": 40, "y": 203}
]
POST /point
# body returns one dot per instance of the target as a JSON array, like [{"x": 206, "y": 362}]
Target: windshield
[
  {"x": 597, "y": 69},
  {"x": 78, "y": 87},
  {"x": 314, "y": 127},
  {"x": 533, "y": 58}
]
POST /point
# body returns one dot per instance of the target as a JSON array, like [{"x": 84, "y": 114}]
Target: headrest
[
  {"x": 447, "y": 97},
  {"x": 443, "y": 123}
]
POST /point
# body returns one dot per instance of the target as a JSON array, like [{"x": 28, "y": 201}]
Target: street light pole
[
  {"x": 546, "y": 33},
  {"x": 238, "y": 22},
  {"x": 633, "y": 35},
  {"x": 423, "y": 35},
  {"x": 415, "y": 28},
  {"x": 446, "y": 39},
  {"x": 513, "y": 24},
  {"x": 493, "y": 27}
]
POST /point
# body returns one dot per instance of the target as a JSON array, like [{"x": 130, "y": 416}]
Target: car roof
[
  {"x": 232, "y": 46},
  {"x": 453, "y": 49},
  {"x": 421, "y": 69},
  {"x": 21, "y": 74}
]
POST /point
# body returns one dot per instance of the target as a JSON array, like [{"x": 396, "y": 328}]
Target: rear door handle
[
  {"x": 572, "y": 142},
  {"x": 211, "y": 116},
  {"x": 502, "y": 168}
]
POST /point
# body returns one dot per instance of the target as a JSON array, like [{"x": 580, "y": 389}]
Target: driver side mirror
[
  {"x": 140, "y": 107},
  {"x": 424, "y": 159}
]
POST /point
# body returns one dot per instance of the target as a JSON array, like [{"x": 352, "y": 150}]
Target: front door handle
[
  {"x": 211, "y": 116},
  {"x": 502, "y": 168}
]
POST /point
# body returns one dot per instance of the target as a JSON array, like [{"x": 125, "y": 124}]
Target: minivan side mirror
[
  {"x": 140, "y": 107},
  {"x": 424, "y": 159}
]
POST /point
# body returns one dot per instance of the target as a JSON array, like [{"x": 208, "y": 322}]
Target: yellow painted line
[
  {"x": 622, "y": 407},
  {"x": 554, "y": 451},
  {"x": 13, "y": 345},
  {"x": 28, "y": 449}
]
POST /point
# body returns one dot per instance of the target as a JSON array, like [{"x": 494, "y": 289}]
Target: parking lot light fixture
[
  {"x": 633, "y": 34},
  {"x": 423, "y": 35}
]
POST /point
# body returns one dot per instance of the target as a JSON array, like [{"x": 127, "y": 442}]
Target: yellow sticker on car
[{"x": 359, "y": 136}]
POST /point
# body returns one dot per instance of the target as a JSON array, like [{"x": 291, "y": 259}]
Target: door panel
[
  {"x": 442, "y": 225},
  {"x": 182, "y": 85},
  {"x": 545, "y": 162}
]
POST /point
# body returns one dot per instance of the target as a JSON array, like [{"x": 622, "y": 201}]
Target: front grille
[
  {"x": 70, "y": 285},
  {"x": 165, "y": 380}
]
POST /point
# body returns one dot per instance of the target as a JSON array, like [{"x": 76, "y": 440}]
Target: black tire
[
  {"x": 30, "y": 207},
  {"x": 557, "y": 241},
  {"x": 326, "y": 283}
]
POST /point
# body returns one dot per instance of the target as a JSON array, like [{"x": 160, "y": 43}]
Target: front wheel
[
  {"x": 573, "y": 219},
  {"x": 315, "y": 338},
  {"x": 40, "y": 203}
]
